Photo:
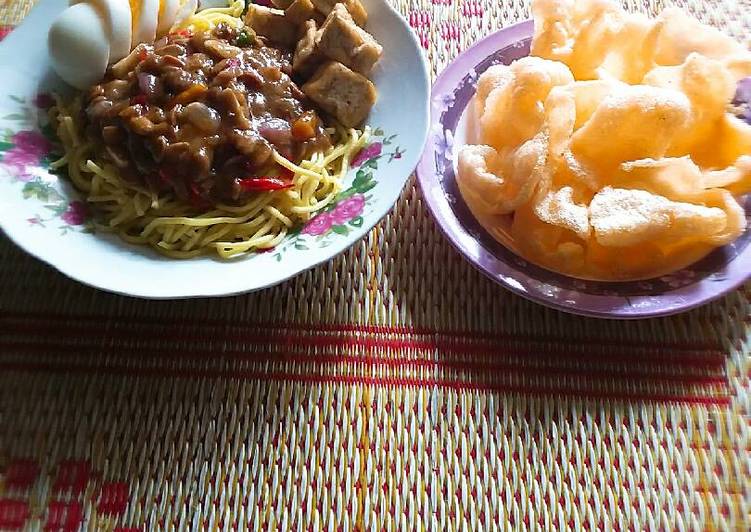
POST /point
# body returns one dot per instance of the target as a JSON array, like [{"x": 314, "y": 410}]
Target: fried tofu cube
[
  {"x": 355, "y": 8},
  {"x": 342, "y": 40},
  {"x": 339, "y": 91},
  {"x": 300, "y": 11},
  {"x": 272, "y": 24},
  {"x": 307, "y": 57},
  {"x": 282, "y": 4},
  {"x": 357, "y": 11}
]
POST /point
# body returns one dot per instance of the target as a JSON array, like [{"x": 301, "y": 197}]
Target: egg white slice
[
  {"x": 145, "y": 15},
  {"x": 187, "y": 9},
  {"x": 79, "y": 45},
  {"x": 167, "y": 16},
  {"x": 119, "y": 25}
]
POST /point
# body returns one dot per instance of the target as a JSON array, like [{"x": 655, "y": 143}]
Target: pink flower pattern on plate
[
  {"x": 32, "y": 142},
  {"x": 28, "y": 149},
  {"x": 76, "y": 213},
  {"x": 368, "y": 152},
  {"x": 348, "y": 209},
  {"x": 318, "y": 225}
]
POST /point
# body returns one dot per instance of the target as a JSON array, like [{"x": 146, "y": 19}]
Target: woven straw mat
[{"x": 393, "y": 388}]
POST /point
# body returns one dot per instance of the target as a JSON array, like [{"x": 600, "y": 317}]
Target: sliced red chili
[
  {"x": 138, "y": 99},
  {"x": 165, "y": 176},
  {"x": 262, "y": 184},
  {"x": 196, "y": 198}
]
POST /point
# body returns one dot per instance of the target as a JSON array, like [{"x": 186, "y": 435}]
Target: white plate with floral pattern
[{"x": 44, "y": 215}]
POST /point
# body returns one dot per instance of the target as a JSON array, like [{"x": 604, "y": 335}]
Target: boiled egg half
[
  {"x": 79, "y": 45},
  {"x": 92, "y": 34}
]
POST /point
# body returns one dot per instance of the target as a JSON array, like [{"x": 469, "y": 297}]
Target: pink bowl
[{"x": 722, "y": 271}]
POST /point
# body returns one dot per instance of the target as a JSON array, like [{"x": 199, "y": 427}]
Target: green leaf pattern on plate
[{"x": 345, "y": 213}]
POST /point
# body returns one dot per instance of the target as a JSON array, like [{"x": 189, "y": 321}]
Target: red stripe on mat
[
  {"x": 485, "y": 361},
  {"x": 469, "y": 368},
  {"x": 476, "y": 345},
  {"x": 5, "y": 29},
  {"x": 372, "y": 381},
  {"x": 467, "y": 355},
  {"x": 101, "y": 320},
  {"x": 55, "y": 334}
]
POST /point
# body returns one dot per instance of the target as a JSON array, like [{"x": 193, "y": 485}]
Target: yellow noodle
[
  {"x": 125, "y": 214},
  {"x": 179, "y": 232},
  {"x": 177, "y": 254},
  {"x": 192, "y": 241},
  {"x": 292, "y": 167},
  {"x": 278, "y": 215},
  {"x": 62, "y": 161},
  {"x": 176, "y": 229},
  {"x": 208, "y": 18},
  {"x": 108, "y": 197},
  {"x": 215, "y": 233},
  {"x": 141, "y": 206}
]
